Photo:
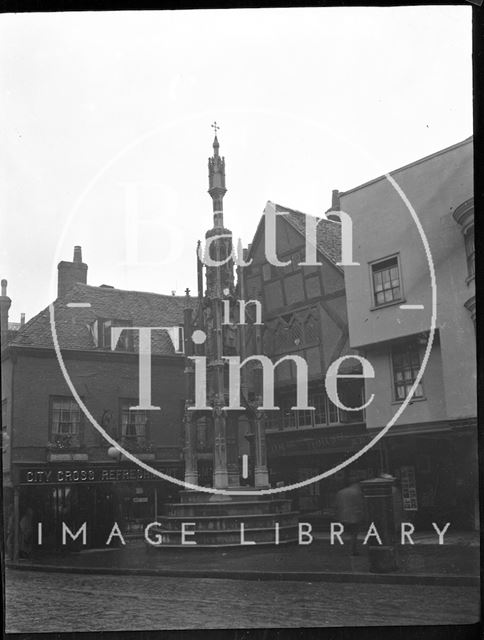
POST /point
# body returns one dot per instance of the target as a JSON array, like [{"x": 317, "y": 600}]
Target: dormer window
[
  {"x": 179, "y": 340},
  {"x": 125, "y": 341}
]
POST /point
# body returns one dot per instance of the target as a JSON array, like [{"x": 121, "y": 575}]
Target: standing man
[
  {"x": 350, "y": 509},
  {"x": 26, "y": 534}
]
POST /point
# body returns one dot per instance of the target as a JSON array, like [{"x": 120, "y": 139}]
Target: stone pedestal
[
  {"x": 379, "y": 500},
  {"x": 226, "y": 521}
]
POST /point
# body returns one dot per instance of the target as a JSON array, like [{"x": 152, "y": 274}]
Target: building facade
[
  {"x": 55, "y": 461},
  {"x": 432, "y": 447},
  {"x": 304, "y": 314}
]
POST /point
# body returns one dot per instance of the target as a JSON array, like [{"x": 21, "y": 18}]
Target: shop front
[
  {"x": 438, "y": 475},
  {"x": 297, "y": 456},
  {"x": 100, "y": 496}
]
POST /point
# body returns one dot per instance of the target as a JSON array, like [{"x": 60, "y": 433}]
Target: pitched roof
[
  {"x": 328, "y": 232},
  {"x": 394, "y": 172},
  {"x": 73, "y": 324}
]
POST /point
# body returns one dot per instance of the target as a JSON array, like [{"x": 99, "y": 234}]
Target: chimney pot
[
  {"x": 5, "y": 303},
  {"x": 335, "y": 200},
  {"x": 22, "y": 319},
  {"x": 77, "y": 254},
  {"x": 71, "y": 273}
]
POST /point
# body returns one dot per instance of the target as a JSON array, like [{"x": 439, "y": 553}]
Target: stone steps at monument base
[
  {"x": 227, "y": 508},
  {"x": 232, "y": 522},
  {"x": 220, "y": 538},
  {"x": 250, "y": 494}
]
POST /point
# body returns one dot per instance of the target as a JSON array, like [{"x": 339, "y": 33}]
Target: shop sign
[
  {"x": 80, "y": 475},
  {"x": 330, "y": 444}
]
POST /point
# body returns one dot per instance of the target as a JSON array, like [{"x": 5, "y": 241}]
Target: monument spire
[{"x": 216, "y": 181}]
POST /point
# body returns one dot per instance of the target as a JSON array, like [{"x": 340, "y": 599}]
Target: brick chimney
[
  {"x": 5, "y": 303},
  {"x": 335, "y": 206},
  {"x": 71, "y": 273}
]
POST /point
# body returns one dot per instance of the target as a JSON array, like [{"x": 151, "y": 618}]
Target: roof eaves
[{"x": 406, "y": 166}]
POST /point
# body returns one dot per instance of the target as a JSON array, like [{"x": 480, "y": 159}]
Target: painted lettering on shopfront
[{"x": 93, "y": 474}]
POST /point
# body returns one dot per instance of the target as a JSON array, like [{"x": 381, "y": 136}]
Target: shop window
[
  {"x": 133, "y": 422},
  {"x": 387, "y": 286},
  {"x": 470, "y": 251},
  {"x": 406, "y": 365},
  {"x": 66, "y": 418}
]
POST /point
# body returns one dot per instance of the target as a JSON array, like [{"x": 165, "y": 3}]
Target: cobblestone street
[{"x": 50, "y": 602}]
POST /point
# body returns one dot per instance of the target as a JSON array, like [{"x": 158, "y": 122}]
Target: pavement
[{"x": 455, "y": 563}]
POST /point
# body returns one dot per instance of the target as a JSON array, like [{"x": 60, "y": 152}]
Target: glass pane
[{"x": 380, "y": 298}]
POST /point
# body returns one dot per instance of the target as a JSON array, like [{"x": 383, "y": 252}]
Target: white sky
[{"x": 90, "y": 101}]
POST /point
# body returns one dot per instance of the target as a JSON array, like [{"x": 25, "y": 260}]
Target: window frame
[
  {"x": 134, "y": 437},
  {"x": 115, "y": 322},
  {"x": 293, "y": 420},
  {"x": 371, "y": 266},
  {"x": 53, "y": 435},
  {"x": 405, "y": 346}
]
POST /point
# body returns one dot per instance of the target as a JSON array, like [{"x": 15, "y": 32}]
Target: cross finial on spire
[{"x": 215, "y": 126}]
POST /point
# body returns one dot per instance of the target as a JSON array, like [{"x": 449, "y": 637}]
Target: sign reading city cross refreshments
[{"x": 78, "y": 475}]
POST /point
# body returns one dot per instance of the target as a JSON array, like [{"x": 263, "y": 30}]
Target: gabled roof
[
  {"x": 328, "y": 232},
  {"x": 73, "y": 324}
]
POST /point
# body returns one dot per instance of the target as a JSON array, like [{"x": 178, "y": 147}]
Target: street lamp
[{"x": 115, "y": 453}]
